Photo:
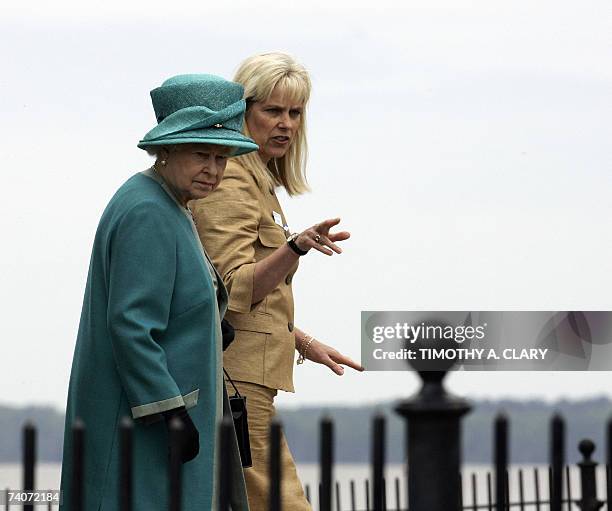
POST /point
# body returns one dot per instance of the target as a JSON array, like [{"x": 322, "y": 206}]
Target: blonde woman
[{"x": 243, "y": 228}]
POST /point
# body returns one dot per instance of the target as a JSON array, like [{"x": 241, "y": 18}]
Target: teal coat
[{"x": 149, "y": 340}]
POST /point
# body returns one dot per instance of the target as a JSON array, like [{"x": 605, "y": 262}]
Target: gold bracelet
[{"x": 302, "y": 356}]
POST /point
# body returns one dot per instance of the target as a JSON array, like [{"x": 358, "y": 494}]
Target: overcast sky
[{"x": 466, "y": 146}]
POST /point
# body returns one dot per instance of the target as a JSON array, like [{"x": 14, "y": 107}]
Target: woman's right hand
[
  {"x": 319, "y": 237},
  {"x": 273, "y": 269}
]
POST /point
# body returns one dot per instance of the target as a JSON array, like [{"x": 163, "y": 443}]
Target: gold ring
[{"x": 317, "y": 238}]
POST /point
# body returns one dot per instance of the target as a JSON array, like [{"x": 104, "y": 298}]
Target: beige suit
[
  {"x": 239, "y": 224},
  {"x": 237, "y": 227}
]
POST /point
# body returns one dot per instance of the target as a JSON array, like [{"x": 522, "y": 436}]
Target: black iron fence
[
  {"x": 433, "y": 480},
  {"x": 527, "y": 489}
]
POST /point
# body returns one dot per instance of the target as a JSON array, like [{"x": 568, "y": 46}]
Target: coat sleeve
[
  {"x": 142, "y": 266},
  {"x": 228, "y": 223}
]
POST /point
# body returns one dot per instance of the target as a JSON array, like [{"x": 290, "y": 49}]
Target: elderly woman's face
[
  {"x": 194, "y": 170},
  {"x": 273, "y": 124}
]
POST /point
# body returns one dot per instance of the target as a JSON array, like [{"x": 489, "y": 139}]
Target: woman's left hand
[{"x": 332, "y": 358}]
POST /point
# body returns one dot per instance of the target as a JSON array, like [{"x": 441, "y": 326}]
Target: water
[{"x": 48, "y": 477}]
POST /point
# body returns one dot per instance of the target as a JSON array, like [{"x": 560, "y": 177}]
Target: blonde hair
[{"x": 259, "y": 75}]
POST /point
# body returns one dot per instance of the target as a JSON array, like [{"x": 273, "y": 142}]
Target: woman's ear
[{"x": 163, "y": 153}]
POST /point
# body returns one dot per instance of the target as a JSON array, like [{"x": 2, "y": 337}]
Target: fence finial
[{"x": 434, "y": 445}]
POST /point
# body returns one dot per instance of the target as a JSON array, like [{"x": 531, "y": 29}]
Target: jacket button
[
  {"x": 288, "y": 279},
  {"x": 290, "y": 326}
]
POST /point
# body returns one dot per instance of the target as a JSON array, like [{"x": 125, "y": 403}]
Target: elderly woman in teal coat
[{"x": 149, "y": 339}]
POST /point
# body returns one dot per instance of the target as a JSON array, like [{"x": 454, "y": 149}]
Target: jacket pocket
[
  {"x": 252, "y": 322},
  {"x": 271, "y": 236}
]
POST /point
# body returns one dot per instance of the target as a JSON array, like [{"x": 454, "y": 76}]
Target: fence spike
[
  {"x": 126, "y": 464},
  {"x": 326, "y": 460},
  {"x": 78, "y": 460},
  {"x": 225, "y": 463},
  {"x": 275, "y": 503},
  {"x": 609, "y": 460},
  {"x": 536, "y": 482},
  {"x": 175, "y": 466},
  {"x": 384, "y": 492},
  {"x": 378, "y": 460},
  {"x": 29, "y": 460},
  {"x": 501, "y": 460},
  {"x": 557, "y": 460},
  {"x": 521, "y": 490},
  {"x": 398, "y": 501}
]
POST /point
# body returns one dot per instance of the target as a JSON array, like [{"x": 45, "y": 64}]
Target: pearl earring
[{"x": 163, "y": 162}]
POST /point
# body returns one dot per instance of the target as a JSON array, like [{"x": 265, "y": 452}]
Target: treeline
[
  {"x": 529, "y": 423},
  {"x": 49, "y": 423}
]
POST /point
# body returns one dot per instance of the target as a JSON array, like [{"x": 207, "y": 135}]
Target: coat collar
[{"x": 222, "y": 294}]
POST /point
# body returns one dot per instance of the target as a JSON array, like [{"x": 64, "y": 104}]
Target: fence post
[
  {"x": 588, "y": 485},
  {"x": 378, "y": 461},
  {"x": 78, "y": 465},
  {"x": 433, "y": 444},
  {"x": 29, "y": 460},
  {"x": 225, "y": 464},
  {"x": 126, "y": 465},
  {"x": 500, "y": 450},
  {"x": 274, "y": 467},
  {"x": 175, "y": 465},
  {"x": 609, "y": 461},
  {"x": 327, "y": 460},
  {"x": 557, "y": 461}
]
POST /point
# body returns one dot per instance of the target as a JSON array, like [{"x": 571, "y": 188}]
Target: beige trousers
[{"x": 260, "y": 411}]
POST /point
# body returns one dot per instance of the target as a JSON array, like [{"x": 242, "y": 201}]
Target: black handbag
[{"x": 241, "y": 424}]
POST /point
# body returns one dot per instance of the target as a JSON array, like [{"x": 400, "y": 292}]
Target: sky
[{"x": 464, "y": 144}]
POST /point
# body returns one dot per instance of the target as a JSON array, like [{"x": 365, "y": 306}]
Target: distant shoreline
[{"x": 528, "y": 430}]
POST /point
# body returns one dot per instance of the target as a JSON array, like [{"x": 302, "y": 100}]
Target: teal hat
[{"x": 199, "y": 109}]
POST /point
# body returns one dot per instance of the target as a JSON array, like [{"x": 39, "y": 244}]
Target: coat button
[
  {"x": 290, "y": 326},
  {"x": 288, "y": 279}
]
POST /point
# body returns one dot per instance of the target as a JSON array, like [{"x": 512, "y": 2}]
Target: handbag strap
[{"x": 230, "y": 380}]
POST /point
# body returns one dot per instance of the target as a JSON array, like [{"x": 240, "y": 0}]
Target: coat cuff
[
  {"x": 188, "y": 401},
  {"x": 241, "y": 291}
]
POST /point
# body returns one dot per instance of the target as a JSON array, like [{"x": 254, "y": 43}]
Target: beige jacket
[{"x": 237, "y": 226}]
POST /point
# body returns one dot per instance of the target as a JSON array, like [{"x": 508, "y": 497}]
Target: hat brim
[{"x": 214, "y": 136}]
